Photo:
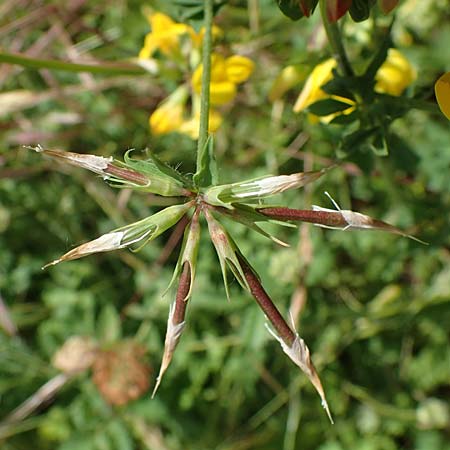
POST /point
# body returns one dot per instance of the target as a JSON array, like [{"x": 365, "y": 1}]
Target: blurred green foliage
[{"x": 376, "y": 311}]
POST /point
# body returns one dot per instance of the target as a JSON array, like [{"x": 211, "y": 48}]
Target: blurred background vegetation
[{"x": 373, "y": 308}]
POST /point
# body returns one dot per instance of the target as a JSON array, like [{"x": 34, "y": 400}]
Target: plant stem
[
  {"x": 206, "y": 78},
  {"x": 335, "y": 40}
]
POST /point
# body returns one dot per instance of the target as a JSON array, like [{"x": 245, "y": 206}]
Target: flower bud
[
  {"x": 442, "y": 90},
  {"x": 254, "y": 190},
  {"x": 286, "y": 79},
  {"x": 144, "y": 230},
  {"x": 344, "y": 219},
  {"x": 239, "y": 68},
  {"x": 337, "y": 8},
  {"x": 149, "y": 175},
  {"x": 395, "y": 74},
  {"x": 168, "y": 116}
]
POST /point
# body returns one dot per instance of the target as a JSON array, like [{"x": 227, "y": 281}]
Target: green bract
[{"x": 141, "y": 232}]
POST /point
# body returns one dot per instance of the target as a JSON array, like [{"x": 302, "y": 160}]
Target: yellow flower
[
  {"x": 225, "y": 75},
  {"x": 168, "y": 116},
  {"x": 392, "y": 78},
  {"x": 197, "y": 38},
  {"x": 239, "y": 68},
  {"x": 442, "y": 91},
  {"x": 312, "y": 91},
  {"x": 164, "y": 35},
  {"x": 192, "y": 125},
  {"x": 395, "y": 74},
  {"x": 287, "y": 79}
]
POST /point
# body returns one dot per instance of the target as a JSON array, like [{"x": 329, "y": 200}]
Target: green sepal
[
  {"x": 156, "y": 224},
  {"x": 226, "y": 251},
  {"x": 355, "y": 140},
  {"x": 188, "y": 253},
  {"x": 328, "y": 106},
  {"x": 380, "y": 56},
  {"x": 164, "y": 180},
  {"x": 346, "y": 119},
  {"x": 206, "y": 174}
]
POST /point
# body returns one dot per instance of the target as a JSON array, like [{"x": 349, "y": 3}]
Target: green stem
[
  {"x": 335, "y": 40},
  {"x": 206, "y": 78},
  {"x": 104, "y": 68}
]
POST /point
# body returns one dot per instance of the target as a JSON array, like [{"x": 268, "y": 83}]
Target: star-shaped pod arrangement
[{"x": 203, "y": 196}]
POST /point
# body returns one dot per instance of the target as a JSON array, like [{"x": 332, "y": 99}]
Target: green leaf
[
  {"x": 379, "y": 145},
  {"x": 206, "y": 174},
  {"x": 345, "y": 119},
  {"x": 290, "y": 8},
  {"x": 351, "y": 142},
  {"x": 341, "y": 86},
  {"x": 380, "y": 56},
  {"x": 360, "y": 9},
  {"x": 327, "y": 107}
]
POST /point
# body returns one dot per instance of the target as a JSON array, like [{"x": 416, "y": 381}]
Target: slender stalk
[
  {"x": 206, "y": 78},
  {"x": 46, "y": 392},
  {"x": 335, "y": 40},
  {"x": 102, "y": 68}
]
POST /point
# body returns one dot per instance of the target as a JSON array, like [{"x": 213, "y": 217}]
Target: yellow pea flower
[
  {"x": 286, "y": 79},
  {"x": 197, "y": 38},
  {"x": 225, "y": 75},
  {"x": 392, "y": 78},
  {"x": 395, "y": 74},
  {"x": 164, "y": 35},
  {"x": 191, "y": 126},
  {"x": 168, "y": 116},
  {"x": 442, "y": 91},
  {"x": 239, "y": 68},
  {"x": 312, "y": 91}
]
